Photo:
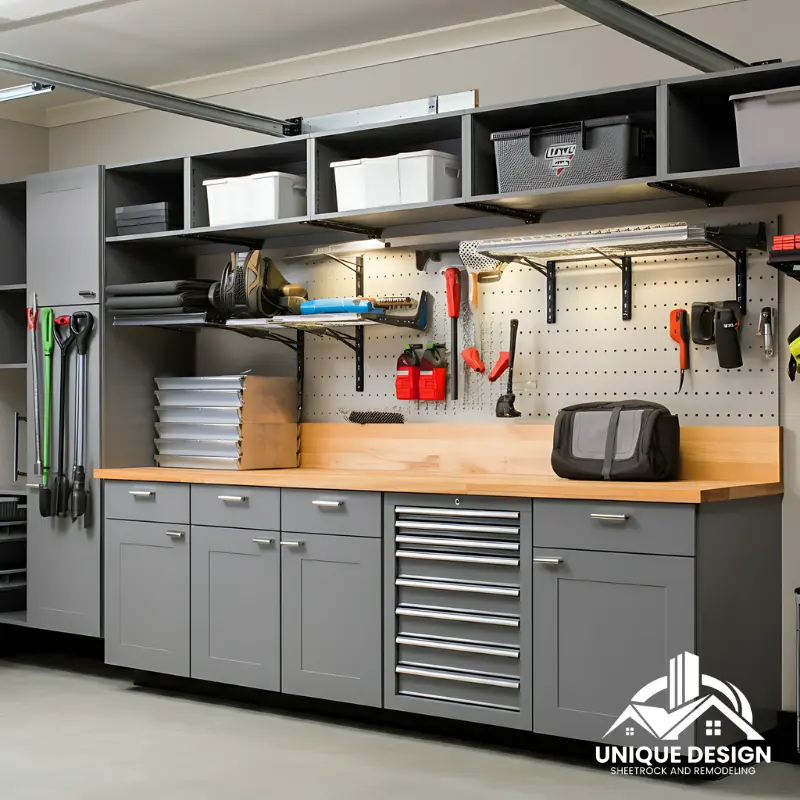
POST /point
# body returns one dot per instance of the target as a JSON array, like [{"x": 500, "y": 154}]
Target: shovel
[
  {"x": 48, "y": 342},
  {"x": 505, "y": 403}
]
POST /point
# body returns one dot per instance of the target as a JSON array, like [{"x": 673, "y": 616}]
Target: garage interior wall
[{"x": 553, "y": 63}]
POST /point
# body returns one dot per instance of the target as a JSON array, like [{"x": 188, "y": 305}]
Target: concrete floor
[{"x": 67, "y": 735}]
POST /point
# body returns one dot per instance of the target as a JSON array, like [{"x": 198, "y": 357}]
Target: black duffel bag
[{"x": 625, "y": 440}]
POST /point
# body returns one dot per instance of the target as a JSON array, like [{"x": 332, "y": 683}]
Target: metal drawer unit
[{"x": 457, "y": 583}]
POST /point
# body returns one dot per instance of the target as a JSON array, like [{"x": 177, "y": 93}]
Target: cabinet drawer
[
  {"x": 454, "y": 566},
  {"x": 147, "y": 502},
  {"x": 342, "y": 513},
  {"x": 478, "y": 597},
  {"x": 449, "y": 654},
  {"x": 650, "y": 528},
  {"x": 236, "y": 507},
  {"x": 459, "y": 687},
  {"x": 451, "y": 623}
]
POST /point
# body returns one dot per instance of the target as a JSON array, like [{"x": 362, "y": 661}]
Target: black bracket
[
  {"x": 347, "y": 227},
  {"x": 528, "y": 217},
  {"x": 251, "y": 244},
  {"x": 293, "y": 126},
  {"x": 711, "y": 199},
  {"x": 740, "y": 260},
  {"x": 549, "y": 272},
  {"x": 627, "y": 287}
]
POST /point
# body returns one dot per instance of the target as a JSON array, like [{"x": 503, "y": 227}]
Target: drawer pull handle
[
  {"x": 138, "y": 493},
  {"x": 488, "y": 560},
  {"x": 447, "y": 616},
  {"x": 552, "y": 562},
  {"x": 457, "y": 700},
  {"x": 264, "y": 541},
  {"x": 232, "y": 498},
  {"x": 327, "y": 503},
  {"x": 176, "y": 534},
  {"x": 610, "y": 517},
  {"x": 33, "y": 486},
  {"x": 452, "y": 512},
  {"x": 87, "y": 293},
  {"x": 293, "y": 545},
  {"x": 469, "y": 588},
  {"x": 475, "y": 544},
  {"x": 458, "y": 677},
  {"x": 456, "y": 647},
  {"x": 449, "y": 527}
]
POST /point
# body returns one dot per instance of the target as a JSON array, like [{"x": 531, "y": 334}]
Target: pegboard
[{"x": 588, "y": 354}]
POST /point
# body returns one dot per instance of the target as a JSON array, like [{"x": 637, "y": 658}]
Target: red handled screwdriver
[
  {"x": 679, "y": 332},
  {"x": 452, "y": 276}
]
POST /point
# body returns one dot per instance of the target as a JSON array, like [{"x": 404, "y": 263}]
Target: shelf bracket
[
  {"x": 740, "y": 260},
  {"x": 214, "y": 239},
  {"x": 346, "y": 227},
  {"x": 359, "y": 337},
  {"x": 711, "y": 199},
  {"x": 528, "y": 217},
  {"x": 627, "y": 287},
  {"x": 549, "y": 272}
]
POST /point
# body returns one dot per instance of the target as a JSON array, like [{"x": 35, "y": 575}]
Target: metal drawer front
[
  {"x": 458, "y": 656},
  {"x": 147, "y": 502},
  {"x": 341, "y": 513},
  {"x": 432, "y": 684},
  {"x": 458, "y": 566},
  {"x": 236, "y": 507},
  {"x": 454, "y": 624},
  {"x": 474, "y": 597}
]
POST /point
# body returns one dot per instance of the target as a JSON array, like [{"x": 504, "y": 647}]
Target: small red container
[
  {"x": 406, "y": 379},
  {"x": 432, "y": 375}
]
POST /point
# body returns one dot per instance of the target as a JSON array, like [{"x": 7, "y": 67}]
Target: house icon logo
[{"x": 690, "y": 697}]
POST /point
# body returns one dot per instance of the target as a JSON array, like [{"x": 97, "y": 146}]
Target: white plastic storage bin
[
  {"x": 393, "y": 180},
  {"x": 766, "y": 125},
  {"x": 255, "y": 198}
]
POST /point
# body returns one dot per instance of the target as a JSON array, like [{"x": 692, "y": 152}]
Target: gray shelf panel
[
  {"x": 169, "y": 238},
  {"x": 13, "y": 287},
  {"x": 14, "y": 366},
  {"x": 19, "y": 618},
  {"x": 628, "y": 191},
  {"x": 256, "y": 231},
  {"x": 412, "y": 214},
  {"x": 742, "y": 179}
]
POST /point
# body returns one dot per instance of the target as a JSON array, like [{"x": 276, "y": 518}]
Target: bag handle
[{"x": 611, "y": 442}]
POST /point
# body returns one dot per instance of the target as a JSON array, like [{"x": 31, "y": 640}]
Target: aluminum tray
[
  {"x": 193, "y": 414},
  {"x": 207, "y": 382}
]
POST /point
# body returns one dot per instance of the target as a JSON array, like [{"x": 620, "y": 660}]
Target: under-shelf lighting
[
  {"x": 328, "y": 251},
  {"x": 26, "y": 90}
]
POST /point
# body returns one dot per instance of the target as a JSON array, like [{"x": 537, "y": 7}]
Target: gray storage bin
[
  {"x": 606, "y": 149},
  {"x": 766, "y": 126}
]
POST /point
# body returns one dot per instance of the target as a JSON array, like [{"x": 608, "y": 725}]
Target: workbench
[{"x": 518, "y": 599}]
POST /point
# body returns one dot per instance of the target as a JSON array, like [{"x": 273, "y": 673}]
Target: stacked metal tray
[{"x": 227, "y": 422}]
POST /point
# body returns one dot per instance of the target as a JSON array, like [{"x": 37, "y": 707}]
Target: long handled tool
[
  {"x": 60, "y": 495},
  {"x": 452, "y": 276},
  {"x": 505, "y": 403},
  {"x": 33, "y": 318},
  {"x": 48, "y": 342},
  {"x": 679, "y": 333},
  {"x": 81, "y": 325}
]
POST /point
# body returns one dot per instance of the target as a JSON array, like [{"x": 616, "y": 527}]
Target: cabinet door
[
  {"x": 331, "y": 617},
  {"x": 64, "y": 239},
  {"x": 147, "y": 596},
  {"x": 236, "y": 584},
  {"x": 604, "y": 626},
  {"x": 64, "y": 561}
]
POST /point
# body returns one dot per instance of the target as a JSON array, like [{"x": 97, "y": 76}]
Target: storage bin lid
[
  {"x": 600, "y": 122},
  {"x": 353, "y": 162},
  {"x": 219, "y": 181},
  {"x": 429, "y": 154},
  {"x": 259, "y": 175},
  {"x": 768, "y": 93}
]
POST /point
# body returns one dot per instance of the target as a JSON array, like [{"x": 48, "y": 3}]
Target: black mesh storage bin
[{"x": 607, "y": 149}]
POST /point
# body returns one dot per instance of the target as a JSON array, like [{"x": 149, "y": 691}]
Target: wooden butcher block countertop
[{"x": 717, "y": 464}]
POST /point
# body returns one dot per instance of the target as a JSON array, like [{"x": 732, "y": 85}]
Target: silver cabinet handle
[
  {"x": 327, "y": 503},
  {"x": 551, "y": 561},
  {"x": 452, "y": 616},
  {"x": 293, "y": 545},
  {"x": 18, "y": 473},
  {"x": 445, "y": 527},
  {"x": 176, "y": 534},
  {"x": 457, "y": 676},
  {"x": 456, "y": 647},
  {"x": 140, "y": 493},
  {"x": 610, "y": 517},
  {"x": 231, "y": 498},
  {"x": 452, "y": 512},
  {"x": 457, "y": 559},
  {"x": 33, "y": 485},
  {"x": 264, "y": 541},
  {"x": 475, "y": 544},
  {"x": 87, "y": 293},
  {"x": 470, "y": 588}
]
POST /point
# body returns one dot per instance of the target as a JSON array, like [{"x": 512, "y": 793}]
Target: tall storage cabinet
[{"x": 64, "y": 246}]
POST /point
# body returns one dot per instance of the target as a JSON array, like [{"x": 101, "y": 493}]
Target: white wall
[{"x": 563, "y": 62}]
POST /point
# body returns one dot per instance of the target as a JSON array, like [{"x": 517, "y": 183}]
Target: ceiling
[{"x": 153, "y": 42}]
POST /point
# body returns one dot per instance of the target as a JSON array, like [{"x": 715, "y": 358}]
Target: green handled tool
[{"x": 48, "y": 344}]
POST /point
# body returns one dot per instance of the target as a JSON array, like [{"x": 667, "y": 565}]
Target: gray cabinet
[
  {"x": 64, "y": 567},
  {"x": 331, "y": 617},
  {"x": 64, "y": 239},
  {"x": 236, "y": 584},
  {"x": 605, "y": 626},
  {"x": 147, "y": 596}
]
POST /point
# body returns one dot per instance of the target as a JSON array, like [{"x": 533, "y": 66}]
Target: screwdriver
[
  {"x": 679, "y": 332},
  {"x": 452, "y": 276}
]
